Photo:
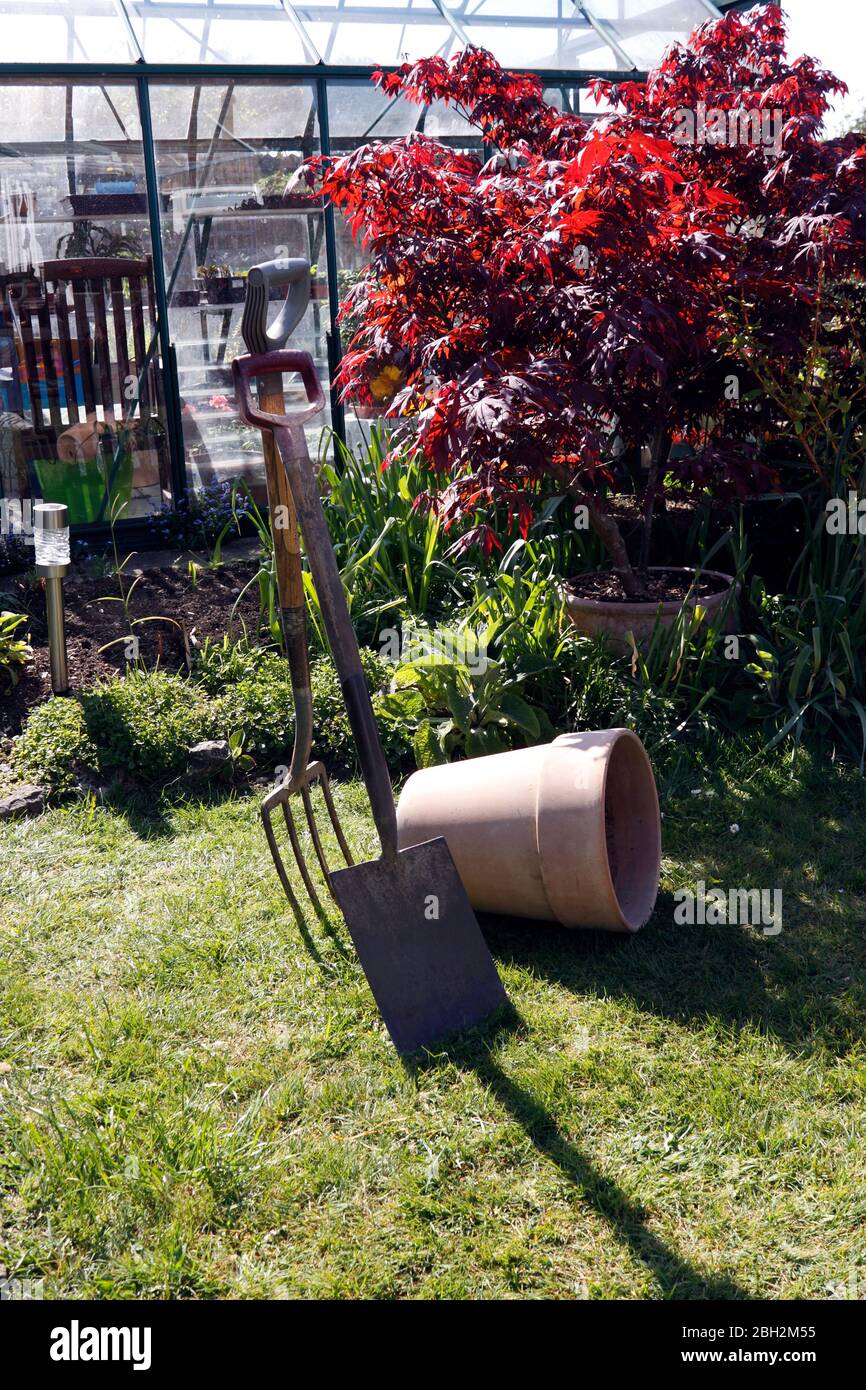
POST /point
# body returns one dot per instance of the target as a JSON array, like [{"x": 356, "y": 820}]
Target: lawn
[{"x": 198, "y": 1099}]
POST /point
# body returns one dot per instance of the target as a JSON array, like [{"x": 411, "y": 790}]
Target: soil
[
  {"x": 668, "y": 586},
  {"x": 93, "y": 619}
]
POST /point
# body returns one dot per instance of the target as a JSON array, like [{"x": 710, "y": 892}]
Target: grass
[{"x": 197, "y": 1099}]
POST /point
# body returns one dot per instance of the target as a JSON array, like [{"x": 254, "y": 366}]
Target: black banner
[{"x": 87, "y": 1341}]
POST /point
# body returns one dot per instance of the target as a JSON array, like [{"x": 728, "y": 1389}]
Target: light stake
[{"x": 51, "y": 540}]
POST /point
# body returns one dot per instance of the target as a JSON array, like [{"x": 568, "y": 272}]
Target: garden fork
[{"x": 302, "y": 774}]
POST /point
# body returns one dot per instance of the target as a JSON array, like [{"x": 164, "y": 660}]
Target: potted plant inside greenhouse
[
  {"x": 221, "y": 284},
  {"x": 277, "y": 189},
  {"x": 318, "y": 284},
  {"x": 568, "y": 316}
]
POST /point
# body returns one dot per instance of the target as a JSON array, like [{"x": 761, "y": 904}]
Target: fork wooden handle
[{"x": 290, "y": 579}]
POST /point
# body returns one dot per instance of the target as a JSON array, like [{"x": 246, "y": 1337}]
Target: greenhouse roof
[{"x": 552, "y": 36}]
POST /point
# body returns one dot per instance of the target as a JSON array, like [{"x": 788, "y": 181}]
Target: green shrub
[
  {"x": 255, "y": 697},
  {"x": 259, "y": 705},
  {"x": 145, "y": 723},
  {"x": 54, "y": 744},
  {"x": 610, "y": 691},
  {"x": 332, "y": 733},
  {"x": 220, "y": 664},
  {"x": 461, "y": 705}
]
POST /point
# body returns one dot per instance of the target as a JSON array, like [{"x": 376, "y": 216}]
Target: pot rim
[
  {"x": 643, "y": 607},
  {"x": 558, "y": 881}
]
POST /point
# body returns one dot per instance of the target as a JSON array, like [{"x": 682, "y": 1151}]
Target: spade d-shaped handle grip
[{"x": 250, "y": 367}]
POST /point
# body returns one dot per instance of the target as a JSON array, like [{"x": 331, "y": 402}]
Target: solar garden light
[{"x": 51, "y": 540}]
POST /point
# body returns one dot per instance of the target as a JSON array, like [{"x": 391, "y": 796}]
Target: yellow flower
[{"x": 385, "y": 385}]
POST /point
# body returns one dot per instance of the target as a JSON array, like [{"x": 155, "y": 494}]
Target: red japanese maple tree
[{"x": 573, "y": 298}]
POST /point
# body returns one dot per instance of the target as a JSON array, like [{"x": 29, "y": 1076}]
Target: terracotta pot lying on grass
[
  {"x": 567, "y": 832},
  {"x": 614, "y": 619}
]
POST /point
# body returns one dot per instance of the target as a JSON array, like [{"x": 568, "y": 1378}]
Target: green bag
[{"x": 81, "y": 484}]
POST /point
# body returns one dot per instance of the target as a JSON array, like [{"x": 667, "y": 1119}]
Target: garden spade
[
  {"x": 407, "y": 912},
  {"x": 261, "y": 337}
]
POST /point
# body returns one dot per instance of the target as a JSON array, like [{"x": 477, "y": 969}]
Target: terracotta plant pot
[
  {"x": 567, "y": 832},
  {"x": 597, "y": 617}
]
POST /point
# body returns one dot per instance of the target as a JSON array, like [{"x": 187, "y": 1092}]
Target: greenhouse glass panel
[
  {"x": 227, "y": 154},
  {"x": 358, "y": 111},
  {"x": 645, "y": 28},
  {"x": 551, "y": 34},
  {"x": 232, "y": 32},
  {"x": 64, "y": 31},
  {"x": 82, "y": 405},
  {"x": 369, "y": 32}
]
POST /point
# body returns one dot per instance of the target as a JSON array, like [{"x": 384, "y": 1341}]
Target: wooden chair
[
  {"x": 14, "y": 479},
  {"x": 84, "y": 335}
]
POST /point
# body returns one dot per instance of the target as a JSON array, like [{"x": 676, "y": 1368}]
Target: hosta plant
[
  {"x": 459, "y": 708},
  {"x": 15, "y": 649}
]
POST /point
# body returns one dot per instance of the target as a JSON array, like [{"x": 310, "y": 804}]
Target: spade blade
[{"x": 419, "y": 943}]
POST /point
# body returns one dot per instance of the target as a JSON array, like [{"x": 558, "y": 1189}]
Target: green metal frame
[{"x": 169, "y": 358}]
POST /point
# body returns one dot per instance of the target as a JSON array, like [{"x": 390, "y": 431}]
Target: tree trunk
[
  {"x": 659, "y": 447},
  {"x": 608, "y": 532}
]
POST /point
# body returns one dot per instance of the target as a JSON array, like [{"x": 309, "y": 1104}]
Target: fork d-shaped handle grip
[
  {"x": 261, "y": 279},
  {"x": 329, "y": 585}
]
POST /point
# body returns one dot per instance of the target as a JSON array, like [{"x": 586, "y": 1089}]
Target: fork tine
[
  {"x": 299, "y": 854},
  {"x": 278, "y": 862},
  {"x": 281, "y": 796},
  {"x": 314, "y": 836},
  {"x": 332, "y": 812}
]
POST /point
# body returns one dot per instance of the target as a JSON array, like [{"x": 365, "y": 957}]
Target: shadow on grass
[
  {"x": 795, "y": 988},
  {"x": 627, "y": 1220},
  {"x": 148, "y": 812}
]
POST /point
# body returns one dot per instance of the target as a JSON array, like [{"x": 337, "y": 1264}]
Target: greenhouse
[{"x": 148, "y": 159}]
